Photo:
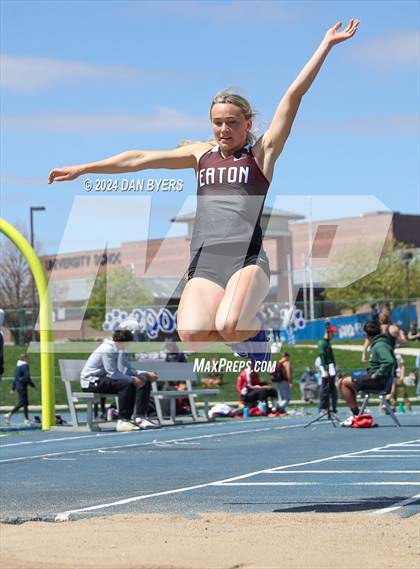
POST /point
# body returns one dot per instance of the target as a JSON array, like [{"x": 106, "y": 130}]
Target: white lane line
[
  {"x": 115, "y": 434},
  {"x": 58, "y": 459},
  {"x": 182, "y": 443},
  {"x": 346, "y": 472},
  {"x": 64, "y": 516},
  {"x": 61, "y": 439},
  {"x": 271, "y": 484},
  {"x": 400, "y": 450},
  {"x": 150, "y": 443},
  {"x": 403, "y": 443},
  {"x": 396, "y": 506},
  {"x": 381, "y": 456},
  {"x": 397, "y": 483}
]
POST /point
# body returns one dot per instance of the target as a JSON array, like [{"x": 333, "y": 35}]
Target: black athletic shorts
[
  {"x": 363, "y": 382},
  {"x": 218, "y": 263}
]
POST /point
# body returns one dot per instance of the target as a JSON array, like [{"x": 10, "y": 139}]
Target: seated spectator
[
  {"x": 381, "y": 365},
  {"x": 182, "y": 405},
  {"x": 413, "y": 333},
  {"x": 308, "y": 384},
  {"x": 101, "y": 374},
  {"x": 251, "y": 389}
]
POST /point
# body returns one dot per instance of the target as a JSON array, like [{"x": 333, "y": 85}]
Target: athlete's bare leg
[
  {"x": 245, "y": 291},
  {"x": 348, "y": 392},
  {"x": 197, "y": 311}
]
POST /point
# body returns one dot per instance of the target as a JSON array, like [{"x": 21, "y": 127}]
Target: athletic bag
[{"x": 362, "y": 422}]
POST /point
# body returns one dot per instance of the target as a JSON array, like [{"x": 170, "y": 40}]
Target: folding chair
[{"x": 383, "y": 401}]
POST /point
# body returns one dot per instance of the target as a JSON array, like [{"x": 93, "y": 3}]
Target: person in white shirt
[{"x": 101, "y": 374}]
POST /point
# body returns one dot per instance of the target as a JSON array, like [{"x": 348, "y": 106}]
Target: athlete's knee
[
  {"x": 193, "y": 335},
  {"x": 345, "y": 382},
  {"x": 227, "y": 326},
  {"x": 233, "y": 331}
]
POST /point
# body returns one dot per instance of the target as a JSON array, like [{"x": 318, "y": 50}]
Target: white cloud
[
  {"x": 28, "y": 74},
  {"x": 404, "y": 124},
  {"x": 391, "y": 51},
  {"x": 162, "y": 120}
]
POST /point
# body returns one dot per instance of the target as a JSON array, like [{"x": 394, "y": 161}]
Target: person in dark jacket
[
  {"x": 381, "y": 366},
  {"x": 20, "y": 385}
]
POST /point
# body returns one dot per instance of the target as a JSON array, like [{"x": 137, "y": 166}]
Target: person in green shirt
[
  {"x": 327, "y": 370},
  {"x": 381, "y": 366}
]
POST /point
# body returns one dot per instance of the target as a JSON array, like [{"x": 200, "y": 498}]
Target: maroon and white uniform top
[{"x": 230, "y": 197}]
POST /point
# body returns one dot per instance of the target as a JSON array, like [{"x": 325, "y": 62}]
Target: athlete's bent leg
[
  {"x": 245, "y": 292},
  {"x": 197, "y": 311},
  {"x": 348, "y": 392}
]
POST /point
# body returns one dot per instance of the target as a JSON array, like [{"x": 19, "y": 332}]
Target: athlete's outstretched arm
[
  {"x": 276, "y": 135},
  {"x": 132, "y": 161}
]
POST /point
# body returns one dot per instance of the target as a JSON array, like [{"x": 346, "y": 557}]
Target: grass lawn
[{"x": 300, "y": 358}]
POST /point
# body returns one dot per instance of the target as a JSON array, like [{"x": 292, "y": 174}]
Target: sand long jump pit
[{"x": 215, "y": 541}]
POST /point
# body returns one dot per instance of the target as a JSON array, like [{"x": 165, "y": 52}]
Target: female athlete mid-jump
[{"x": 228, "y": 276}]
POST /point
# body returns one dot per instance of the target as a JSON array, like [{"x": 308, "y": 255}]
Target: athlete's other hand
[
  {"x": 333, "y": 36},
  {"x": 62, "y": 174}
]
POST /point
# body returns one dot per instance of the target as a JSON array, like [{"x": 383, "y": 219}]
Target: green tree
[
  {"x": 387, "y": 281},
  {"x": 16, "y": 288},
  {"x": 115, "y": 288}
]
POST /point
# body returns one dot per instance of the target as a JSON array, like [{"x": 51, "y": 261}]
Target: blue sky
[{"x": 84, "y": 80}]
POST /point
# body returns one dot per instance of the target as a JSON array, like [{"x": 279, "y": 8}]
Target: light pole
[
  {"x": 33, "y": 281},
  {"x": 305, "y": 292},
  {"x": 406, "y": 257},
  {"x": 310, "y": 268}
]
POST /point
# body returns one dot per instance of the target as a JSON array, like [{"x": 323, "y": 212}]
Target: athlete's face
[{"x": 230, "y": 127}]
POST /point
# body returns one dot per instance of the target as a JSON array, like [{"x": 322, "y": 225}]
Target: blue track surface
[{"x": 255, "y": 465}]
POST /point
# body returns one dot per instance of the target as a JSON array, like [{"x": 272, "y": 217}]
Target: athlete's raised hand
[
  {"x": 274, "y": 138},
  {"x": 333, "y": 36},
  {"x": 62, "y": 174}
]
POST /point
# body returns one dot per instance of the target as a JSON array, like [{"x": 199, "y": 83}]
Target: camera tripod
[{"x": 326, "y": 414}]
